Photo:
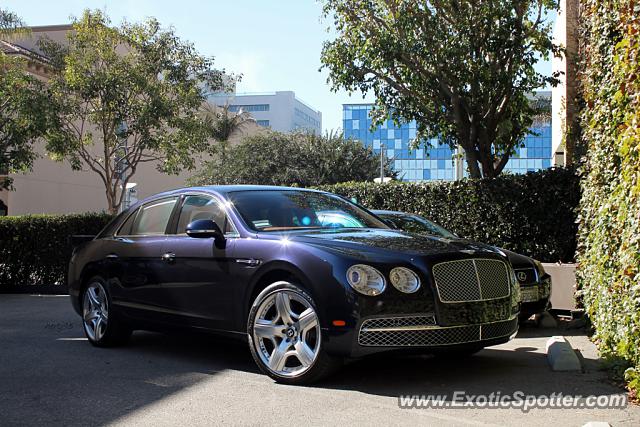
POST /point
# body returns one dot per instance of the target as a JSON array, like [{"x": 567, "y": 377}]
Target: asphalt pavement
[{"x": 50, "y": 375}]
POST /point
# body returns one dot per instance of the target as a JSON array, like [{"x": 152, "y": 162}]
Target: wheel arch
[
  {"x": 271, "y": 273},
  {"x": 76, "y": 291}
]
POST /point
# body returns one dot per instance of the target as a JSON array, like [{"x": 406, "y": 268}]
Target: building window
[
  {"x": 263, "y": 123},
  {"x": 249, "y": 108},
  {"x": 308, "y": 118}
]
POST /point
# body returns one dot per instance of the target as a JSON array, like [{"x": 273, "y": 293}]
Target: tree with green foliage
[
  {"x": 462, "y": 69},
  {"x": 302, "y": 159},
  {"x": 10, "y": 23},
  {"x": 128, "y": 95},
  {"x": 224, "y": 125},
  {"x": 25, "y": 110}
]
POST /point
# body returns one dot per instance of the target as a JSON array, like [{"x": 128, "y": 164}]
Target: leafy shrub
[
  {"x": 609, "y": 229},
  {"x": 35, "y": 249},
  {"x": 298, "y": 158},
  {"x": 532, "y": 214}
]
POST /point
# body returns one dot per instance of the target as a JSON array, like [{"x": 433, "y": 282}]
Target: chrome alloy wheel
[
  {"x": 95, "y": 311},
  {"x": 286, "y": 333}
]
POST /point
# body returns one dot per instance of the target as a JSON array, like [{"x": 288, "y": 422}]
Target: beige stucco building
[{"x": 52, "y": 187}]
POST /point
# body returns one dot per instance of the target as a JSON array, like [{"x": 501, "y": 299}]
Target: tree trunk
[
  {"x": 112, "y": 208},
  {"x": 472, "y": 162}
]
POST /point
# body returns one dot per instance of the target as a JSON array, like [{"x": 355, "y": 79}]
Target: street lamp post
[
  {"x": 459, "y": 163},
  {"x": 381, "y": 163}
]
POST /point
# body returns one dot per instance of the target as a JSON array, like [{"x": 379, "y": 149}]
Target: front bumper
[
  {"x": 427, "y": 320},
  {"x": 422, "y": 333},
  {"x": 535, "y": 297},
  {"x": 383, "y": 332},
  {"x": 419, "y": 332}
]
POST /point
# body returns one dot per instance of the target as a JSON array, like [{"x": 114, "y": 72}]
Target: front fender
[{"x": 317, "y": 272}]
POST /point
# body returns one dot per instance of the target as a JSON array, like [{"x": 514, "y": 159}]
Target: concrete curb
[{"x": 561, "y": 356}]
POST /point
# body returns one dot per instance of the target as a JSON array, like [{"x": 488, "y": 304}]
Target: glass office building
[{"x": 436, "y": 162}]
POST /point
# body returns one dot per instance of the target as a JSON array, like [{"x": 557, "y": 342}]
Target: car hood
[
  {"x": 517, "y": 260},
  {"x": 397, "y": 241}
]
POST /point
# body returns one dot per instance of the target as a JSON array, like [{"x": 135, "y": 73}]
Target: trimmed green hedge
[
  {"x": 609, "y": 236},
  {"x": 35, "y": 249},
  {"x": 532, "y": 214}
]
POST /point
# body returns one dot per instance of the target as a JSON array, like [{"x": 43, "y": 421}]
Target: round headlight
[
  {"x": 404, "y": 280},
  {"x": 366, "y": 279}
]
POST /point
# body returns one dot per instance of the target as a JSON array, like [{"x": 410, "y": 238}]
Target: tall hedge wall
[
  {"x": 35, "y": 250},
  {"x": 609, "y": 231},
  {"x": 532, "y": 214}
]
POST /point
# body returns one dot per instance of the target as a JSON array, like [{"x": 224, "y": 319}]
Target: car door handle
[
  {"x": 169, "y": 257},
  {"x": 112, "y": 256},
  {"x": 251, "y": 262}
]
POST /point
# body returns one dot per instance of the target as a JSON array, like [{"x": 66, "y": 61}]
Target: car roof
[
  {"x": 384, "y": 212},
  {"x": 223, "y": 190}
]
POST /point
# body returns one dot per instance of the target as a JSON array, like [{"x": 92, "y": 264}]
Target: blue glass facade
[
  {"x": 435, "y": 163},
  {"x": 536, "y": 153}
]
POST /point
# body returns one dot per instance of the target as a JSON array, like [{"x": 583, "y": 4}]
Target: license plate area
[{"x": 529, "y": 294}]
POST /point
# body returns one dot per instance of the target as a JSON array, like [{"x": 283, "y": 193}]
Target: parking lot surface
[{"x": 50, "y": 375}]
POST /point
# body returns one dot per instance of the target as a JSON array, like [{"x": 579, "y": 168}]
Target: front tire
[
  {"x": 285, "y": 338},
  {"x": 102, "y": 326}
]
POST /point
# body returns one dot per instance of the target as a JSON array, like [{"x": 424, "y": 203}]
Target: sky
[{"x": 274, "y": 44}]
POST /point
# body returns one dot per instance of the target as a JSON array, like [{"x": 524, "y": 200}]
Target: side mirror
[{"x": 204, "y": 229}]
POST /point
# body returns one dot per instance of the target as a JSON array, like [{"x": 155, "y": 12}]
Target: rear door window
[{"x": 152, "y": 219}]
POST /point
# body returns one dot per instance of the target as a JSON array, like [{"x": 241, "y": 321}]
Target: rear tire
[
  {"x": 102, "y": 325},
  {"x": 285, "y": 337}
]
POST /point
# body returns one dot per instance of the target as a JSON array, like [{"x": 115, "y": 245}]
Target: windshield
[
  {"x": 418, "y": 225},
  {"x": 278, "y": 210}
]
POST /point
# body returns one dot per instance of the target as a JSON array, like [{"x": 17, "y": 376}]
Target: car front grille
[
  {"x": 471, "y": 280},
  {"x": 498, "y": 329},
  {"x": 373, "y": 334}
]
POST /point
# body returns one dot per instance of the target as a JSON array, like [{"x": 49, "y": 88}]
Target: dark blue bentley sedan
[{"x": 307, "y": 277}]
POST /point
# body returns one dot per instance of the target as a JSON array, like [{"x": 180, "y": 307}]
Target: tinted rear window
[{"x": 153, "y": 218}]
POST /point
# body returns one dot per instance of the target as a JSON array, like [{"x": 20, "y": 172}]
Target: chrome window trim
[{"x": 137, "y": 211}]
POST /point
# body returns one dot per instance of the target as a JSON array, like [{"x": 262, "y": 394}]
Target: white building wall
[{"x": 285, "y": 112}]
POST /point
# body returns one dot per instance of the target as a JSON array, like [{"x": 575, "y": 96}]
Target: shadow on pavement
[{"x": 50, "y": 374}]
